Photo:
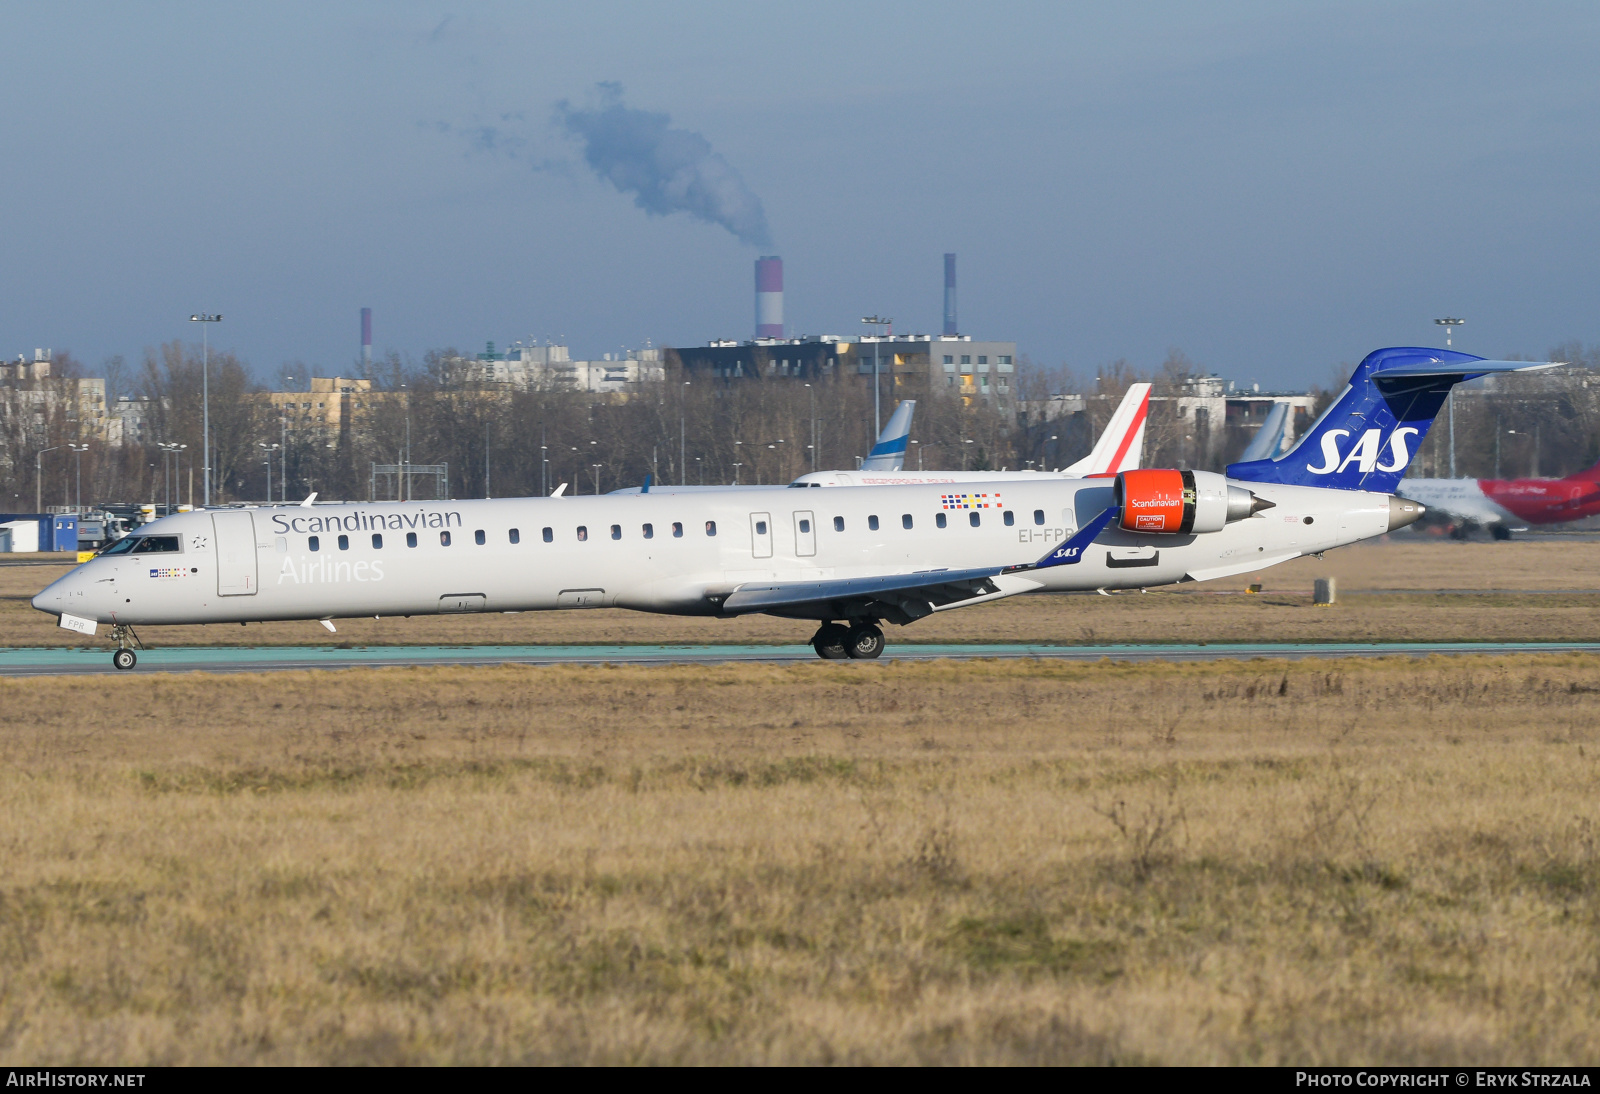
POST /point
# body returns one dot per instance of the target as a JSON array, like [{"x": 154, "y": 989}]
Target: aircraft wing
[{"x": 914, "y": 595}]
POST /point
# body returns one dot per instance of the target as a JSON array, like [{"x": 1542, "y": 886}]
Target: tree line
[{"x": 685, "y": 428}]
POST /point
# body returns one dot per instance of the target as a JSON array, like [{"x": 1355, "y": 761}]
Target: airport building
[{"x": 907, "y": 364}]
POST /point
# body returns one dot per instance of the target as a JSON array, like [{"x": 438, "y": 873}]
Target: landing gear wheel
[
  {"x": 830, "y": 642},
  {"x": 866, "y": 642},
  {"x": 1500, "y": 532},
  {"x": 123, "y": 660}
]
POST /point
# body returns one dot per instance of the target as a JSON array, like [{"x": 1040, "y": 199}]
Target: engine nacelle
[{"x": 1176, "y": 502}]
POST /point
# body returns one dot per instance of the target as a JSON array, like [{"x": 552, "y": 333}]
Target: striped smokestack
[
  {"x": 950, "y": 294},
  {"x": 769, "y": 297},
  {"x": 366, "y": 336}
]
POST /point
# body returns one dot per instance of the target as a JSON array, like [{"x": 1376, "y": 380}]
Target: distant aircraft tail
[
  {"x": 1591, "y": 474},
  {"x": 1269, "y": 438},
  {"x": 1366, "y": 439},
  {"x": 889, "y": 454},
  {"x": 1121, "y": 446}
]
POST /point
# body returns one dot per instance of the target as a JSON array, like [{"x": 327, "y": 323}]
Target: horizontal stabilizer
[{"x": 1367, "y": 437}]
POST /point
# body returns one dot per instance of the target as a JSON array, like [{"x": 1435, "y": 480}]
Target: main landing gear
[
  {"x": 861, "y": 641},
  {"x": 124, "y": 658}
]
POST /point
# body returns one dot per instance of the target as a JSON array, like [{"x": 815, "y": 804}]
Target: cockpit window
[{"x": 145, "y": 545}]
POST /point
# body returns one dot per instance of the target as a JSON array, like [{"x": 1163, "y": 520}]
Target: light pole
[
  {"x": 736, "y": 467},
  {"x": 405, "y": 464},
  {"x": 169, "y": 467},
  {"x": 269, "y": 450},
  {"x": 877, "y": 414},
  {"x": 1449, "y": 326},
  {"x": 77, "y": 458},
  {"x": 38, "y": 477},
  {"x": 205, "y": 400},
  {"x": 596, "y": 477},
  {"x": 683, "y": 467},
  {"x": 283, "y": 455},
  {"x": 919, "y": 454},
  {"x": 813, "y": 444}
]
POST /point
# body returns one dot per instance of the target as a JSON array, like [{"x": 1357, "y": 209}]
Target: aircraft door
[
  {"x": 236, "y": 553},
  {"x": 761, "y": 534},
  {"x": 805, "y": 534}
]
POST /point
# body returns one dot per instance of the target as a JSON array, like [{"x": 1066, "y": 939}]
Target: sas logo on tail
[{"x": 1365, "y": 453}]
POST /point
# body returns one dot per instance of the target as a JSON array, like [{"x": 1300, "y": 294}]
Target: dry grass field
[
  {"x": 1211, "y": 612},
  {"x": 989, "y": 862}
]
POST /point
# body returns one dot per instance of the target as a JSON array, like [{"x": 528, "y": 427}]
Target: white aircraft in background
[
  {"x": 849, "y": 558},
  {"x": 1120, "y": 448},
  {"x": 888, "y": 454},
  {"x": 1268, "y": 441}
]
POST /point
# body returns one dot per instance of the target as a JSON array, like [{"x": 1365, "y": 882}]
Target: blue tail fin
[
  {"x": 1366, "y": 439},
  {"x": 889, "y": 454}
]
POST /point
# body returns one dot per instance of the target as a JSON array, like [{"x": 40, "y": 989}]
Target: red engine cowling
[
  {"x": 1156, "y": 500},
  {"x": 1174, "y": 502}
]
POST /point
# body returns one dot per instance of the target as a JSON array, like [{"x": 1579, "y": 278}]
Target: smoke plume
[{"x": 666, "y": 170}]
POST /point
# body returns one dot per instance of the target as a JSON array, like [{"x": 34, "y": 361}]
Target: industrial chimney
[
  {"x": 366, "y": 336},
  {"x": 950, "y": 294},
  {"x": 769, "y": 297}
]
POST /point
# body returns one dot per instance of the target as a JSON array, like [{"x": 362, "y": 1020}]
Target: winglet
[
  {"x": 558, "y": 491},
  {"x": 311, "y": 499},
  {"x": 1071, "y": 552},
  {"x": 645, "y": 489}
]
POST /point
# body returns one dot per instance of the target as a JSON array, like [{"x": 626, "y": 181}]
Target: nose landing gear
[
  {"x": 861, "y": 641},
  {"x": 124, "y": 658}
]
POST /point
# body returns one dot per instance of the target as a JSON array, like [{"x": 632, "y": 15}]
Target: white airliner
[
  {"x": 1120, "y": 448},
  {"x": 848, "y": 558}
]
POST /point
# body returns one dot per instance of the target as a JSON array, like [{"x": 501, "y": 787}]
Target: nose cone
[
  {"x": 1403, "y": 512},
  {"x": 68, "y": 593}
]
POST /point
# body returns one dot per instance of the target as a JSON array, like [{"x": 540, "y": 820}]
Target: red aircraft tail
[{"x": 1591, "y": 474}]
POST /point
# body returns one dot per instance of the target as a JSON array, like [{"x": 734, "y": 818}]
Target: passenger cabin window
[
  {"x": 677, "y": 529},
  {"x": 1011, "y": 518},
  {"x": 711, "y": 527},
  {"x": 549, "y": 535},
  {"x": 344, "y": 543},
  {"x": 872, "y": 523},
  {"x": 939, "y": 520},
  {"x": 377, "y": 542},
  {"x": 838, "y": 524},
  {"x": 1038, "y": 516},
  {"x": 478, "y": 537},
  {"x": 583, "y": 533},
  {"x": 411, "y": 539},
  {"x": 616, "y": 531},
  {"x": 905, "y": 520},
  {"x": 973, "y": 519},
  {"x": 649, "y": 531},
  {"x": 515, "y": 535},
  {"x": 444, "y": 539},
  {"x": 313, "y": 543}
]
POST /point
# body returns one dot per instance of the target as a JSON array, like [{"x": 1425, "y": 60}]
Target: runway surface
[{"x": 67, "y": 662}]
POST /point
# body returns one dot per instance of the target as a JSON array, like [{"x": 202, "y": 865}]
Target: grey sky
[{"x": 1273, "y": 188}]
